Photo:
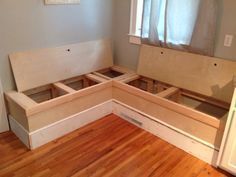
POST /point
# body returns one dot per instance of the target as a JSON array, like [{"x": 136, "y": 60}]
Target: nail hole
[
  {"x": 162, "y": 53},
  {"x": 215, "y": 64},
  {"x": 68, "y": 50}
]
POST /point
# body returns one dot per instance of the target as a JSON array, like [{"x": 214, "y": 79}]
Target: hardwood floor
[{"x": 108, "y": 147}]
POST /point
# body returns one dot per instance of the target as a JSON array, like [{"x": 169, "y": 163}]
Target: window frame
[{"x": 134, "y": 38}]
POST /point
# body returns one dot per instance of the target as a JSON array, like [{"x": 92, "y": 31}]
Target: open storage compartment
[
  {"x": 58, "y": 89},
  {"x": 110, "y": 72},
  {"x": 211, "y": 108},
  {"x": 53, "y": 84},
  {"x": 193, "y": 116},
  {"x": 114, "y": 72},
  {"x": 201, "y": 103},
  {"x": 188, "y": 92},
  {"x": 198, "y": 102},
  {"x": 81, "y": 82},
  {"x": 144, "y": 84},
  {"x": 44, "y": 93}
]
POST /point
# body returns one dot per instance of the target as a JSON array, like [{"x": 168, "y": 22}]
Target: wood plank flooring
[{"x": 108, "y": 147}]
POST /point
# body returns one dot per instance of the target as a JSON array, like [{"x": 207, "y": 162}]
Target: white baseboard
[
  {"x": 19, "y": 131},
  {"x": 51, "y": 132},
  {"x": 65, "y": 126},
  {"x": 189, "y": 144},
  {"x": 186, "y": 142}
]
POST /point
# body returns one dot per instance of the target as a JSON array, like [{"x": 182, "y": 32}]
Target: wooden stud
[
  {"x": 86, "y": 82},
  {"x": 63, "y": 87},
  {"x": 168, "y": 92},
  {"x": 121, "y": 69},
  {"x": 129, "y": 79},
  {"x": 150, "y": 84},
  {"x": 95, "y": 78},
  {"x": 101, "y": 75},
  {"x": 124, "y": 76}
]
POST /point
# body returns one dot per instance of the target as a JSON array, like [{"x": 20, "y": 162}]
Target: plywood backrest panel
[
  {"x": 205, "y": 75},
  {"x": 40, "y": 67}
]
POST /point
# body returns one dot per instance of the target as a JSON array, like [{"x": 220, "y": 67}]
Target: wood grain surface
[{"x": 107, "y": 147}]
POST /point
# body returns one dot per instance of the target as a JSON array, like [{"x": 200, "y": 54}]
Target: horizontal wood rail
[
  {"x": 102, "y": 76},
  {"x": 168, "y": 92},
  {"x": 63, "y": 87},
  {"x": 196, "y": 96},
  {"x": 120, "y": 70},
  {"x": 132, "y": 78},
  {"x": 95, "y": 78}
]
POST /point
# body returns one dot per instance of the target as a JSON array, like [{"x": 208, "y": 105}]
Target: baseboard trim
[
  {"x": 187, "y": 143},
  {"x": 51, "y": 132},
  {"x": 19, "y": 131}
]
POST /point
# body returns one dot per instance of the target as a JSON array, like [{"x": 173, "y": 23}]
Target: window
[
  {"x": 136, "y": 17},
  {"x": 188, "y": 25},
  {"x": 136, "y": 21},
  {"x": 181, "y": 33}
]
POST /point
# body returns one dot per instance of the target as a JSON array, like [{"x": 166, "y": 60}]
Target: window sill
[{"x": 134, "y": 39}]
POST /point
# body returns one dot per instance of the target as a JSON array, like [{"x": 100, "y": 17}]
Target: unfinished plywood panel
[
  {"x": 205, "y": 75},
  {"x": 62, "y": 111},
  {"x": 205, "y": 132},
  {"x": 17, "y": 108},
  {"x": 41, "y": 67},
  {"x": 33, "y": 116}
]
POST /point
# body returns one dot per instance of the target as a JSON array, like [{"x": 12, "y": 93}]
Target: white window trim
[{"x": 134, "y": 38}]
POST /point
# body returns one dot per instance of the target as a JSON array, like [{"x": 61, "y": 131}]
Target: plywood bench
[{"x": 174, "y": 95}]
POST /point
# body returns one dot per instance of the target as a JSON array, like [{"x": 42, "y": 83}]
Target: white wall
[
  {"x": 226, "y": 25},
  {"x": 29, "y": 24},
  {"x": 126, "y": 54}
]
